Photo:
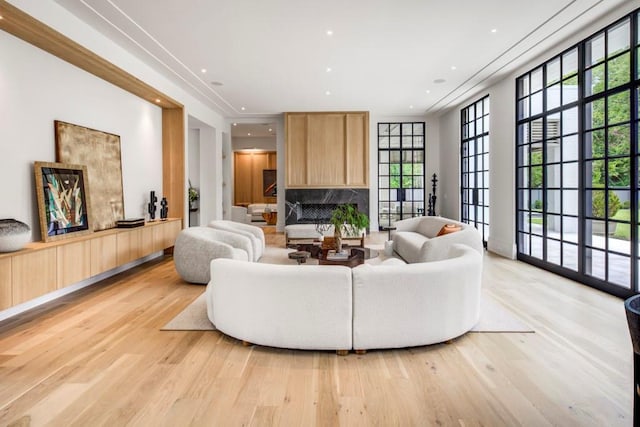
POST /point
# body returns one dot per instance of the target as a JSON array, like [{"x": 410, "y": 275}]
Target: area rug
[{"x": 493, "y": 318}]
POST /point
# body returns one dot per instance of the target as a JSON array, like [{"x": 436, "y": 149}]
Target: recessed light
[
  {"x": 1, "y": 17},
  {"x": 329, "y": 32},
  {"x": 235, "y": 124},
  {"x": 328, "y": 69},
  {"x": 494, "y": 30},
  {"x": 411, "y": 107},
  {"x": 327, "y": 93},
  {"x": 439, "y": 81},
  {"x": 453, "y": 67},
  {"x": 204, "y": 70},
  {"x": 427, "y": 91},
  {"x": 248, "y": 133},
  {"x": 214, "y": 83},
  {"x": 242, "y": 108},
  {"x": 158, "y": 100},
  {"x": 270, "y": 130}
]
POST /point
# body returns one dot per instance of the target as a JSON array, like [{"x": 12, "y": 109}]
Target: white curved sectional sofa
[{"x": 337, "y": 308}]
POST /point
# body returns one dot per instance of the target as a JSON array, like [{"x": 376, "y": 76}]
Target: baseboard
[{"x": 502, "y": 248}]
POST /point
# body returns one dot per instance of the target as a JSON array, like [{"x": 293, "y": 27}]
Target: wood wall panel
[
  {"x": 104, "y": 255},
  {"x": 33, "y": 274},
  {"x": 173, "y": 184},
  {"x": 296, "y": 150},
  {"x": 248, "y": 167},
  {"x": 73, "y": 263},
  {"x": 357, "y": 152},
  {"x": 5, "y": 283},
  {"x": 242, "y": 183},
  {"x": 327, "y": 150}
]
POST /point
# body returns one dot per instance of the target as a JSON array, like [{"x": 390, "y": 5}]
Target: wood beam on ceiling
[{"x": 29, "y": 29}]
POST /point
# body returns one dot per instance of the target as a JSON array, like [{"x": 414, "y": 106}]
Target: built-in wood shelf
[{"x": 42, "y": 267}]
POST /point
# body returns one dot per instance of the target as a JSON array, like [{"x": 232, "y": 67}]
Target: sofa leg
[
  {"x": 246, "y": 343},
  {"x": 361, "y": 351},
  {"x": 342, "y": 352}
]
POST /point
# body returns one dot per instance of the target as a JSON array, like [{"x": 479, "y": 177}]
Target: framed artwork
[
  {"x": 269, "y": 177},
  {"x": 63, "y": 200},
  {"x": 100, "y": 152}
]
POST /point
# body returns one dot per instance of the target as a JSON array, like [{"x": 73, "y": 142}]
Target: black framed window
[
  {"x": 577, "y": 160},
  {"x": 474, "y": 168},
  {"x": 400, "y": 171}
]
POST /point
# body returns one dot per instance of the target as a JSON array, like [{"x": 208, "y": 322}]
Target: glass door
[
  {"x": 475, "y": 166},
  {"x": 400, "y": 172}
]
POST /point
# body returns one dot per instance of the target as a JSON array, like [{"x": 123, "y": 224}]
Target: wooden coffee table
[{"x": 356, "y": 257}]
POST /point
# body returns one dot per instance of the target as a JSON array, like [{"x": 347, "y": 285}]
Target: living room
[{"x": 576, "y": 368}]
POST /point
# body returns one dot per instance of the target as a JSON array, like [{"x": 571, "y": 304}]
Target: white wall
[
  {"x": 38, "y": 88},
  {"x": 502, "y": 152}
]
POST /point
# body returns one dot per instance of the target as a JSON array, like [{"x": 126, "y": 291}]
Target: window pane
[
  {"x": 553, "y": 251},
  {"x": 570, "y": 90},
  {"x": 553, "y": 71},
  {"x": 618, "y": 38},
  {"x": 570, "y": 256},
  {"x": 570, "y": 63},
  {"x": 619, "y": 140},
  {"x": 536, "y": 80},
  {"x": 618, "y": 72},
  {"x": 594, "y": 79},
  {"x": 618, "y": 108},
  {"x": 594, "y": 50}
]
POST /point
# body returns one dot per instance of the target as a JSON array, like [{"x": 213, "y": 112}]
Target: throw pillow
[{"x": 448, "y": 229}]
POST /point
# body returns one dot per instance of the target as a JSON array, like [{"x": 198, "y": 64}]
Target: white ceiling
[{"x": 272, "y": 56}]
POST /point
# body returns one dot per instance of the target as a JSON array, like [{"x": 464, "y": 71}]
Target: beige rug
[{"x": 493, "y": 318}]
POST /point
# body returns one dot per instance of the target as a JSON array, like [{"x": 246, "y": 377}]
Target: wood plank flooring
[{"x": 98, "y": 358}]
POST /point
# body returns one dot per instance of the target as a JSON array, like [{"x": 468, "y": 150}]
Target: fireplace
[{"x": 309, "y": 206}]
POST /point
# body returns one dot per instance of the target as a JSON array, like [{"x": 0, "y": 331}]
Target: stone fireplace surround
[{"x": 307, "y": 206}]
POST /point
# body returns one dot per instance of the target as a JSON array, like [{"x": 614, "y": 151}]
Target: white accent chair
[
  {"x": 195, "y": 247},
  {"x": 239, "y": 214},
  {"x": 416, "y": 239},
  {"x": 251, "y": 231}
]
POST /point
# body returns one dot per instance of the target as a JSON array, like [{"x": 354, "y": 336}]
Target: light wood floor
[{"x": 98, "y": 358}]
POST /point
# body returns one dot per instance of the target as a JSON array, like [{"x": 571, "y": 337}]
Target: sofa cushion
[
  {"x": 408, "y": 245},
  {"x": 448, "y": 229}
]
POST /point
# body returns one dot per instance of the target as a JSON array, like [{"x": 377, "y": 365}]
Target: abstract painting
[
  {"x": 100, "y": 152},
  {"x": 269, "y": 177},
  {"x": 63, "y": 200}
]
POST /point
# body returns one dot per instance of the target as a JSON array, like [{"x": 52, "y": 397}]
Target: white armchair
[{"x": 240, "y": 214}]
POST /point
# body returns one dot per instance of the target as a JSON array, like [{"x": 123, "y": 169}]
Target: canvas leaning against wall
[
  {"x": 100, "y": 152},
  {"x": 63, "y": 200}
]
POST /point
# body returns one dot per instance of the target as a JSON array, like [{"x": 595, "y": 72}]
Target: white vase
[{"x": 13, "y": 235}]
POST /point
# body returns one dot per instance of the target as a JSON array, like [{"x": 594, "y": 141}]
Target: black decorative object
[
  {"x": 165, "y": 209},
  {"x": 432, "y": 197},
  {"x": 632, "y": 308},
  {"x": 151, "y": 207},
  {"x": 13, "y": 235}
]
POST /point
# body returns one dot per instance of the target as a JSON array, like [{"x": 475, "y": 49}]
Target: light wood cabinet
[
  {"x": 103, "y": 254},
  {"x": 5, "y": 283},
  {"x": 327, "y": 150},
  {"x": 247, "y": 182},
  {"x": 129, "y": 246},
  {"x": 33, "y": 273},
  {"x": 73, "y": 263},
  {"x": 41, "y": 267}
]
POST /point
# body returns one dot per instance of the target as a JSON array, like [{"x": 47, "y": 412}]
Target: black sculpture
[
  {"x": 151, "y": 207},
  {"x": 165, "y": 209},
  {"x": 432, "y": 197}
]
